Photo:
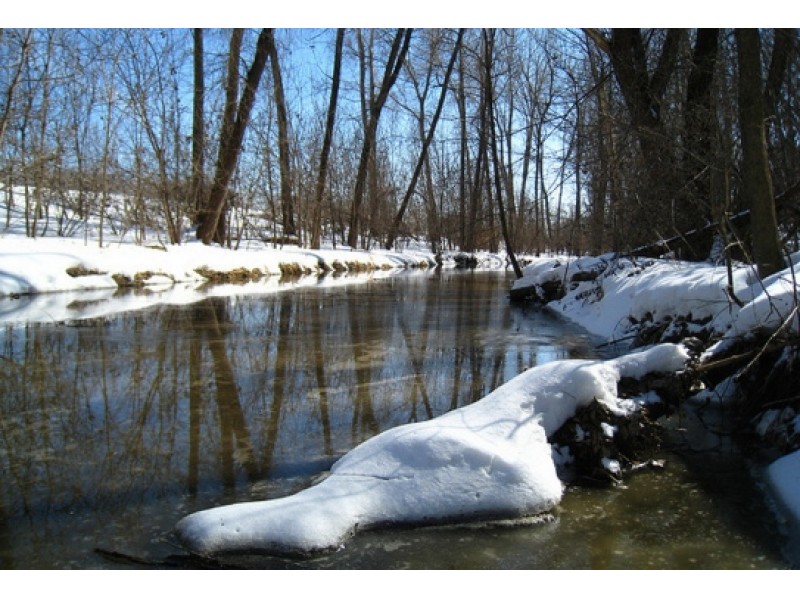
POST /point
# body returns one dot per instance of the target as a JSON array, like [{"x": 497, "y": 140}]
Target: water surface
[{"x": 112, "y": 429}]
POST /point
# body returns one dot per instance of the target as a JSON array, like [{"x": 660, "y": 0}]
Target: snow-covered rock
[{"x": 487, "y": 460}]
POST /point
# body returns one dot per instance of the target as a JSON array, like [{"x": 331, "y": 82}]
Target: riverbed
[{"x": 113, "y": 428}]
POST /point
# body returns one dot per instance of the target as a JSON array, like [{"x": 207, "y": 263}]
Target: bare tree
[
  {"x": 392, "y": 70},
  {"x": 488, "y": 51},
  {"x": 316, "y": 222},
  {"x": 13, "y": 82},
  {"x": 781, "y": 102},
  {"x": 700, "y": 119},
  {"x": 643, "y": 83},
  {"x": 287, "y": 203},
  {"x": 212, "y": 223},
  {"x": 463, "y": 155},
  {"x": 149, "y": 72},
  {"x": 426, "y": 144},
  {"x": 197, "y": 188}
]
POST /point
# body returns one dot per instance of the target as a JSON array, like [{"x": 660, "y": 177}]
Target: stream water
[{"x": 112, "y": 429}]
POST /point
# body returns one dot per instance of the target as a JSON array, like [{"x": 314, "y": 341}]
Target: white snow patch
[
  {"x": 609, "y": 431},
  {"x": 611, "y": 465}
]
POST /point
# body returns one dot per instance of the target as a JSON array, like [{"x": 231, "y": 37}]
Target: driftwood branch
[{"x": 723, "y": 362}]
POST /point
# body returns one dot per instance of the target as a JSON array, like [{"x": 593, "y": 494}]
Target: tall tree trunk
[
  {"x": 537, "y": 220},
  {"x": 756, "y": 179},
  {"x": 463, "y": 170},
  {"x": 700, "y": 120},
  {"x": 776, "y": 74},
  {"x": 287, "y": 203},
  {"x": 197, "y": 186},
  {"x": 778, "y": 133},
  {"x": 488, "y": 51},
  {"x": 231, "y": 84},
  {"x": 523, "y": 187},
  {"x": 393, "y": 66},
  {"x": 432, "y": 210},
  {"x": 508, "y": 165},
  {"x": 576, "y": 235},
  {"x": 316, "y": 221},
  {"x": 226, "y": 130},
  {"x": 230, "y": 147},
  {"x": 598, "y": 184},
  {"x": 543, "y": 193},
  {"x": 475, "y": 193}
]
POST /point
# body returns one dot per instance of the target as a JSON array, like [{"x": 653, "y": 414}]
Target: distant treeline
[{"x": 579, "y": 140}]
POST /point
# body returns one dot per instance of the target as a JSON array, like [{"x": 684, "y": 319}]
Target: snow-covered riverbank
[
  {"x": 43, "y": 265},
  {"x": 65, "y": 279},
  {"x": 736, "y": 319},
  {"x": 492, "y": 459}
]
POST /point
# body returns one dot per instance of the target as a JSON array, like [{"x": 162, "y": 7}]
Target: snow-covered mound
[{"x": 487, "y": 460}]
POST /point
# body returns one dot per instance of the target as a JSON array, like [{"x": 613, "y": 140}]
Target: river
[{"x": 113, "y": 428}]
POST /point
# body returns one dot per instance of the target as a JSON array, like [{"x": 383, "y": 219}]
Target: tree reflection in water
[
  {"x": 111, "y": 430},
  {"x": 210, "y": 318}
]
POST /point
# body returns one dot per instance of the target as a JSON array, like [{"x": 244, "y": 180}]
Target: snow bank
[
  {"x": 628, "y": 292},
  {"x": 487, "y": 460},
  {"x": 87, "y": 277},
  {"x": 32, "y": 266},
  {"x": 770, "y": 304},
  {"x": 610, "y": 296}
]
